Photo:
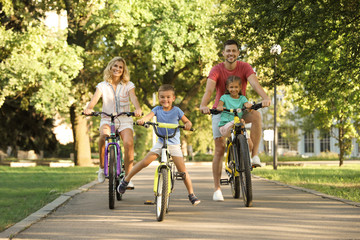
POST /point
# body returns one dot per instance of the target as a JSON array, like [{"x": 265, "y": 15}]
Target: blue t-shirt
[
  {"x": 231, "y": 103},
  {"x": 172, "y": 116}
]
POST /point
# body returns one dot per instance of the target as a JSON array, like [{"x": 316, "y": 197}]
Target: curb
[
  {"x": 323, "y": 195},
  {"x": 43, "y": 212}
]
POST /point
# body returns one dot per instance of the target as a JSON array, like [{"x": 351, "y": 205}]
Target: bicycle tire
[
  {"x": 234, "y": 180},
  {"x": 245, "y": 171},
  {"x": 112, "y": 177},
  {"x": 162, "y": 194}
]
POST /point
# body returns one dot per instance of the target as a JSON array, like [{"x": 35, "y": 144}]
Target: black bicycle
[{"x": 238, "y": 163}]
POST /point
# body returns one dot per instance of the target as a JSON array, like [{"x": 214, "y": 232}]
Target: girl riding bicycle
[
  {"x": 166, "y": 113},
  {"x": 232, "y": 99},
  {"x": 116, "y": 90}
]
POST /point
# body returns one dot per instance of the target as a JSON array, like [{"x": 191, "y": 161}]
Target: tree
[{"x": 320, "y": 42}]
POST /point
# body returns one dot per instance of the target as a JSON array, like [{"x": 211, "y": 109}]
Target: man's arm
[
  {"x": 210, "y": 87},
  {"x": 254, "y": 82}
]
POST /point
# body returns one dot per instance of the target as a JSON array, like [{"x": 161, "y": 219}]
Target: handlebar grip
[{"x": 257, "y": 106}]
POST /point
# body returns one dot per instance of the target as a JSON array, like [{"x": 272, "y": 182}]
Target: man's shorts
[
  {"x": 215, "y": 118},
  {"x": 121, "y": 122},
  {"x": 174, "y": 150}
]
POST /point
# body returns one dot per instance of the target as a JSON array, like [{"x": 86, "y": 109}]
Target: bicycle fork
[{"x": 117, "y": 154}]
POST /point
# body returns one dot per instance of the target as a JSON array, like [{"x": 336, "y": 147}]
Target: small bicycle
[
  {"x": 113, "y": 161},
  {"x": 165, "y": 174},
  {"x": 238, "y": 165}
]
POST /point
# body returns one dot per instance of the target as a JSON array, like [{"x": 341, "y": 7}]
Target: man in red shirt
[{"x": 216, "y": 81}]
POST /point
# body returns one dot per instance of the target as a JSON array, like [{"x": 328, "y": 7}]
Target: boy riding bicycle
[{"x": 166, "y": 113}]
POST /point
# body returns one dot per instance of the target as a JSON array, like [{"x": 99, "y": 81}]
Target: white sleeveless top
[{"x": 115, "y": 100}]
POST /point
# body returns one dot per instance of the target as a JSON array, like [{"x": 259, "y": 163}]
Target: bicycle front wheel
[
  {"x": 162, "y": 194},
  {"x": 245, "y": 171},
  {"x": 112, "y": 177},
  {"x": 234, "y": 180}
]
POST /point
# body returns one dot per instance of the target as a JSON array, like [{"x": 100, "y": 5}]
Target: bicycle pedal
[
  {"x": 180, "y": 175},
  {"x": 224, "y": 181},
  {"x": 149, "y": 202}
]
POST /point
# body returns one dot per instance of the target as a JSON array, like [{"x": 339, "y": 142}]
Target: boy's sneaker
[
  {"x": 255, "y": 161},
  {"x": 101, "y": 175},
  {"x": 130, "y": 186},
  {"x": 122, "y": 186},
  {"x": 193, "y": 199},
  {"x": 218, "y": 197}
]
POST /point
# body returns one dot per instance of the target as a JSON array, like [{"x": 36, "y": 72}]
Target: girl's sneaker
[{"x": 193, "y": 199}]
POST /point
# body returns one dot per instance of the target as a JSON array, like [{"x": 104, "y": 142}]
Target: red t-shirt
[{"x": 219, "y": 74}]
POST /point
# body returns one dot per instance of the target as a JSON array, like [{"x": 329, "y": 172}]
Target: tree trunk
[{"x": 81, "y": 139}]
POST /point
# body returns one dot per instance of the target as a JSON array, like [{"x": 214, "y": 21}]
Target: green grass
[
  {"x": 26, "y": 190},
  {"x": 342, "y": 182}
]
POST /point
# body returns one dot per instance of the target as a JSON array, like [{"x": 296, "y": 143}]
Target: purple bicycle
[{"x": 113, "y": 160}]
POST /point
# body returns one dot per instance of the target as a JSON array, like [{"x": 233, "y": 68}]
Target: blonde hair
[{"x": 125, "y": 77}]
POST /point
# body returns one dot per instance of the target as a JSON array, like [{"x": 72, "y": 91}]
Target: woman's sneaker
[
  {"x": 130, "y": 186},
  {"x": 122, "y": 186},
  {"x": 101, "y": 175},
  {"x": 193, "y": 199}
]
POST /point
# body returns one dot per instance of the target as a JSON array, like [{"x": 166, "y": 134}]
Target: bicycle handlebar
[
  {"x": 253, "y": 107},
  {"x": 163, "y": 125},
  {"x": 111, "y": 114}
]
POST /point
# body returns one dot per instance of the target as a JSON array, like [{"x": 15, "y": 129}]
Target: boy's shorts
[
  {"x": 121, "y": 122},
  {"x": 174, "y": 150}
]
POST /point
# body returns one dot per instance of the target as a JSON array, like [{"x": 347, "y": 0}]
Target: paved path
[{"x": 279, "y": 212}]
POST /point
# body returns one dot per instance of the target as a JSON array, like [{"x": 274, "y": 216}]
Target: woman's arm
[{"x": 135, "y": 101}]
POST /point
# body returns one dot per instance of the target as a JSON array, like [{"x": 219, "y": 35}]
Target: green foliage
[
  {"x": 39, "y": 68},
  {"x": 25, "y": 128}
]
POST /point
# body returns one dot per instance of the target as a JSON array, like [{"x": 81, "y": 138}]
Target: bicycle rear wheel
[
  {"x": 162, "y": 194},
  {"x": 245, "y": 171},
  {"x": 112, "y": 177},
  {"x": 234, "y": 180}
]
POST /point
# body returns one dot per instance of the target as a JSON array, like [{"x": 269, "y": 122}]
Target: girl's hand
[
  {"x": 220, "y": 108},
  {"x": 138, "y": 113},
  {"x": 187, "y": 125}
]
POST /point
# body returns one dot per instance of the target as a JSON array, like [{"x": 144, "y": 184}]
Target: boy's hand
[
  {"x": 140, "y": 122},
  {"x": 187, "y": 125}
]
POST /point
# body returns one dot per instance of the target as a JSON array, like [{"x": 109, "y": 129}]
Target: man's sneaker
[
  {"x": 122, "y": 186},
  {"x": 101, "y": 175},
  {"x": 255, "y": 161},
  {"x": 130, "y": 185},
  {"x": 218, "y": 197},
  {"x": 193, "y": 199}
]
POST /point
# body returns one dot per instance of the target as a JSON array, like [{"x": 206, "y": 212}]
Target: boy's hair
[
  {"x": 231, "y": 42},
  {"x": 166, "y": 87},
  {"x": 125, "y": 77},
  {"x": 232, "y": 79}
]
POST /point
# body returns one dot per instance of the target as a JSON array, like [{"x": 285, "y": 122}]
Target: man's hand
[
  {"x": 204, "y": 109},
  {"x": 266, "y": 102},
  {"x": 88, "y": 111}
]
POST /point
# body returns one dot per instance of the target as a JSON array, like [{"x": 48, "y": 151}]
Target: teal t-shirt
[{"x": 231, "y": 103}]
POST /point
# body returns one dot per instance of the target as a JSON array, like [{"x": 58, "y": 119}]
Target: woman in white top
[{"x": 116, "y": 90}]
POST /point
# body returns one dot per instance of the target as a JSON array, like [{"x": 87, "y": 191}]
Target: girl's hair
[
  {"x": 232, "y": 79},
  {"x": 125, "y": 77}
]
